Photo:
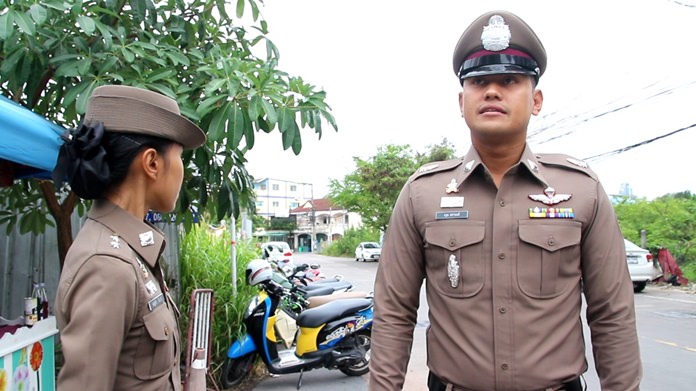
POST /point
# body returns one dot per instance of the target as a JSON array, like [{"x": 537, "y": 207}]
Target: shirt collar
[
  {"x": 472, "y": 160},
  {"x": 144, "y": 238}
]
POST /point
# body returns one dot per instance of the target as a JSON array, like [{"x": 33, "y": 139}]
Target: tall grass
[{"x": 206, "y": 263}]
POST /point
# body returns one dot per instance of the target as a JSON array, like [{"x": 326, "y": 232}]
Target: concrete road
[{"x": 666, "y": 319}]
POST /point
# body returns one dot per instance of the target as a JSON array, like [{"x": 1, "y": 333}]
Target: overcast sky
[{"x": 619, "y": 73}]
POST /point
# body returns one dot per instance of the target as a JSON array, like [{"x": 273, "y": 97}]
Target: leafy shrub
[
  {"x": 345, "y": 247},
  {"x": 205, "y": 262},
  {"x": 689, "y": 271}
]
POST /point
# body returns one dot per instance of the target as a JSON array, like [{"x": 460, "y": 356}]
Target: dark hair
[{"x": 94, "y": 160}]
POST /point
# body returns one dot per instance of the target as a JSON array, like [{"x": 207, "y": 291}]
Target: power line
[{"x": 624, "y": 149}]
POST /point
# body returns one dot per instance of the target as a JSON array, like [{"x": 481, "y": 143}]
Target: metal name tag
[{"x": 156, "y": 302}]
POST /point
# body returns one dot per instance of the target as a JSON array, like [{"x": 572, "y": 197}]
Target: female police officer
[
  {"x": 118, "y": 324},
  {"x": 506, "y": 240}
]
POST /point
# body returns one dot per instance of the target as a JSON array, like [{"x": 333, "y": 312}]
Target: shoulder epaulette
[
  {"x": 561, "y": 160},
  {"x": 433, "y": 167}
]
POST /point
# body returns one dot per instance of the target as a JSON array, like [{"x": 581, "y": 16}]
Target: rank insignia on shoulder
[
  {"x": 551, "y": 213},
  {"x": 427, "y": 168},
  {"x": 115, "y": 241},
  {"x": 452, "y": 187},
  {"x": 577, "y": 162},
  {"x": 147, "y": 238},
  {"x": 550, "y": 197}
]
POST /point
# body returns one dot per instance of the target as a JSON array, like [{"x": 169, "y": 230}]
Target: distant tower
[{"x": 625, "y": 190}]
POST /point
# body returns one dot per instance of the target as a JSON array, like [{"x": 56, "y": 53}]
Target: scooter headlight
[{"x": 252, "y": 305}]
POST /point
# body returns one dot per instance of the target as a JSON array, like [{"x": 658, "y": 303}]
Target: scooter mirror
[{"x": 315, "y": 266}]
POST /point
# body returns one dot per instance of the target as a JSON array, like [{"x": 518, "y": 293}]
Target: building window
[
  {"x": 259, "y": 204},
  {"x": 263, "y": 187},
  {"x": 294, "y": 205},
  {"x": 293, "y": 187},
  {"x": 276, "y": 187},
  {"x": 276, "y": 204}
]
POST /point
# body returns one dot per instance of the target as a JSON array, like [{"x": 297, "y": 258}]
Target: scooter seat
[
  {"x": 335, "y": 285},
  {"x": 315, "y": 317},
  {"x": 317, "y": 292}
]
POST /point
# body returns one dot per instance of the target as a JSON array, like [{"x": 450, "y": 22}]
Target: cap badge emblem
[
  {"x": 496, "y": 35},
  {"x": 452, "y": 187},
  {"x": 453, "y": 271},
  {"x": 550, "y": 197}
]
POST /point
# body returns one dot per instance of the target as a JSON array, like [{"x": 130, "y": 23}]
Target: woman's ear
[{"x": 150, "y": 162}]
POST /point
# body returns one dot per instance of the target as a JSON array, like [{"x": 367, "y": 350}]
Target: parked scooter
[{"x": 335, "y": 335}]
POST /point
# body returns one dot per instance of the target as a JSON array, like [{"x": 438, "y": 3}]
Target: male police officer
[{"x": 507, "y": 240}]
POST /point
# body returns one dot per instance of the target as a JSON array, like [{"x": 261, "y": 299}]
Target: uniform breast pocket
[
  {"x": 548, "y": 257},
  {"x": 155, "y": 352},
  {"x": 454, "y": 256}
]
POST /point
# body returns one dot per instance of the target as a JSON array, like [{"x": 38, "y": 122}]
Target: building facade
[{"x": 276, "y": 197}]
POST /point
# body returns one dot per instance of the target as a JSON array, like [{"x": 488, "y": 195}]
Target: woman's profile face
[{"x": 166, "y": 190}]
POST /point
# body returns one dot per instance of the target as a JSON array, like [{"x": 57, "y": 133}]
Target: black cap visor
[{"x": 498, "y": 64}]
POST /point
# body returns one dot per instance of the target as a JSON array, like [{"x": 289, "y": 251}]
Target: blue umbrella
[{"x": 29, "y": 143}]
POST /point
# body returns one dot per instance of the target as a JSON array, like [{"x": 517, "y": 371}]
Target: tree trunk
[{"x": 62, "y": 214}]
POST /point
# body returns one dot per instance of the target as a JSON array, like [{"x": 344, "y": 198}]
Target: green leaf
[
  {"x": 297, "y": 142},
  {"x": 236, "y": 126},
  {"x": 38, "y": 13},
  {"x": 127, "y": 55},
  {"x": 24, "y": 22},
  {"x": 217, "y": 124},
  {"x": 214, "y": 85},
  {"x": 255, "y": 107},
  {"x": 289, "y": 134},
  {"x": 285, "y": 119},
  {"x": 204, "y": 106},
  {"x": 240, "y": 8},
  {"x": 271, "y": 115},
  {"x": 6, "y": 24},
  {"x": 87, "y": 24},
  {"x": 159, "y": 74},
  {"x": 178, "y": 58},
  {"x": 224, "y": 205},
  {"x": 83, "y": 98}
]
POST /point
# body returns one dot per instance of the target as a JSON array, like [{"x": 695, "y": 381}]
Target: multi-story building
[
  {"x": 323, "y": 221},
  {"x": 276, "y": 197}
]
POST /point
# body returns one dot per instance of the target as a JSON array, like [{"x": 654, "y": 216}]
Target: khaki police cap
[
  {"x": 135, "y": 110},
  {"x": 498, "y": 42}
]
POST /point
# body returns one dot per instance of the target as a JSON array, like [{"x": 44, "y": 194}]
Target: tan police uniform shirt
[
  {"x": 504, "y": 283},
  {"x": 118, "y": 325}
]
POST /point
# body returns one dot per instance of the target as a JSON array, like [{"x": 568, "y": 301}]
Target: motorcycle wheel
[
  {"x": 363, "y": 366},
  {"x": 236, "y": 369}
]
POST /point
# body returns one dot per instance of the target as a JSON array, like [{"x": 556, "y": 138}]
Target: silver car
[{"x": 640, "y": 266}]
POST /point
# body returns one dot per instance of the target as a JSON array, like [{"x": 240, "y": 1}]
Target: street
[{"x": 666, "y": 321}]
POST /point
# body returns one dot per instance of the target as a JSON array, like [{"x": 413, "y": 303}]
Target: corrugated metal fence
[{"x": 27, "y": 258}]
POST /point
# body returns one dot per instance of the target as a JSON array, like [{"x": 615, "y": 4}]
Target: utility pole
[{"x": 313, "y": 220}]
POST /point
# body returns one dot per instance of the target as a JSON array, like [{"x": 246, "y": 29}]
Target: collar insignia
[
  {"x": 142, "y": 267},
  {"x": 533, "y": 166},
  {"x": 452, "y": 187},
  {"x": 550, "y": 197},
  {"x": 496, "y": 34},
  {"x": 427, "y": 168},
  {"x": 468, "y": 166},
  {"x": 115, "y": 241},
  {"x": 147, "y": 239},
  {"x": 577, "y": 162}
]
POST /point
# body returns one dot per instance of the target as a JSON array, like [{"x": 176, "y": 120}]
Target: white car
[
  {"x": 368, "y": 251},
  {"x": 640, "y": 266},
  {"x": 279, "y": 253}
]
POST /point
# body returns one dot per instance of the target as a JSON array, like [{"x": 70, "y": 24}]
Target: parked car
[
  {"x": 368, "y": 251},
  {"x": 640, "y": 266},
  {"x": 278, "y": 252}
]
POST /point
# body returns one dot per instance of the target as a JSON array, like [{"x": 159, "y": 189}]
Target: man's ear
[
  {"x": 538, "y": 98},
  {"x": 150, "y": 162}
]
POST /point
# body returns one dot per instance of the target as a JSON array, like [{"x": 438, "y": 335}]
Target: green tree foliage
[
  {"x": 205, "y": 263},
  {"x": 669, "y": 222},
  {"x": 345, "y": 246},
  {"x": 373, "y": 187},
  {"x": 223, "y": 75}
]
